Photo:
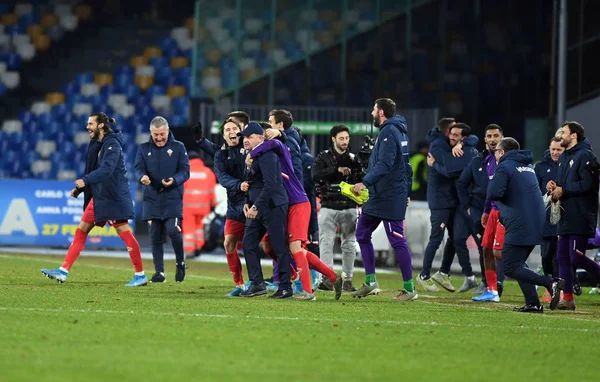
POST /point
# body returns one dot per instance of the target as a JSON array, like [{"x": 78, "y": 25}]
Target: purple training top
[
  {"x": 291, "y": 183},
  {"x": 490, "y": 166}
]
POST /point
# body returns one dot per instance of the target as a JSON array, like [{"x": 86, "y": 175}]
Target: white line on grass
[{"x": 306, "y": 319}]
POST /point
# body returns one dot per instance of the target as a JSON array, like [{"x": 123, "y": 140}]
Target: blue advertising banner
[{"x": 35, "y": 212}]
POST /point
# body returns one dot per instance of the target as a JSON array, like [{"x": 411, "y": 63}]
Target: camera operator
[{"x": 337, "y": 211}]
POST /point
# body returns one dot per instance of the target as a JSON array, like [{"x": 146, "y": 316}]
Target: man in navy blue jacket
[
  {"x": 442, "y": 199},
  {"x": 109, "y": 197},
  {"x": 282, "y": 120},
  {"x": 546, "y": 171},
  {"x": 162, "y": 166},
  {"x": 389, "y": 180},
  {"x": 517, "y": 194},
  {"x": 230, "y": 170},
  {"x": 576, "y": 187},
  {"x": 266, "y": 211},
  {"x": 459, "y": 223}
]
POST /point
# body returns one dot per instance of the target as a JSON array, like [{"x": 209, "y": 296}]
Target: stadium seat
[
  {"x": 34, "y": 31},
  {"x": 126, "y": 110},
  {"x": 45, "y": 148},
  {"x": 136, "y": 61},
  {"x": 82, "y": 138},
  {"x": 40, "y": 107},
  {"x": 155, "y": 90},
  {"x": 131, "y": 91},
  {"x": 12, "y": 125},
  {"x": 96, "y": 100},
  {"x": 13, "y": 61},
  {"x": 66, "y": 175},
  {"x": 176, "y": 91},
  {"x": 179, "y": 62},
  {"x": 11, "y": 79},
  {"x": 160, "y": 102},
  {"x": 55, "y": 32},
  {"x": 60, "y": 109},
  {"x": 178, "y": 121},
  {"x": 102, "y": 79},
  {"x": 83, "y": 11},
  {"x": 144, "y": 82},
  {"x": 69, "y": 22},
  {"x": 84, "y": 78},
  {"x": 117, "y": 100},
  {"x": 39, "y": 166},
  {"x": 145, "y": 70},
  {"x": 152, "y": 51},
  {"x": 9, "y": 19},
  {"x": 122, "y": 80},
  {"x": 55, "y": 98},
  {"x": 26, "y": 116},
  {"x": 26, "y": 51}
]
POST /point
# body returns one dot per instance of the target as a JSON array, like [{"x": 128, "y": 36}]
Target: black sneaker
[
  {"x": 158, "y": 277},
  {"x": 577, "y": 288},
  {"x": 325, "y": 284},
  {"x": 500, "y": 288},
  {"x": 254, "y": 290},
  {"x": 347, "y": 286},
  {"x": 530, "y": 308},
  {"x": 557, "y": 286},
  {"x": 283, "y": 293},
  {"x": 180, "y": 272}
]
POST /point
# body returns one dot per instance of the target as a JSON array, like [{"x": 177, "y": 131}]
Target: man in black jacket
[
  {"x": 337, "y": 211},
  {"x": 576, "y": 187}
]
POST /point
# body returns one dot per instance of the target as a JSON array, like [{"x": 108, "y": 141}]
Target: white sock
[
  {"x": 140, "y": 273},
  {"x": 471, "y": 278},
  {"x": 63, "y": 269}
]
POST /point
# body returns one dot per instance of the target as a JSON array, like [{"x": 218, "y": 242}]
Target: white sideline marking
[{"x": 305, "y": 319}]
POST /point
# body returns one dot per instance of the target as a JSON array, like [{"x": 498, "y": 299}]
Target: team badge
[
  {"x": 571, "y": 163},
  {"x": 170, "y": 152}
]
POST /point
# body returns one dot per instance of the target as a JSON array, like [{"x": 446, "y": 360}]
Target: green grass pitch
[{"x": 92, "y": 328}]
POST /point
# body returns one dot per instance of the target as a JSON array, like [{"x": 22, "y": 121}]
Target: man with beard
[
  {"x": 546, "y": 171},
  {"x": 239, "y": 117},
  {"x": 389, "y": 182},
  {"x": 107, "y": 197},
  {"x": 576, "y": 187},
  {"x": 493, "y": 235},
  {"x": 338, "y": 212},
  {"x": 459, "y": 223},
  {"x": 162, "y": 166},
  {"x": 472, "y": 188}
]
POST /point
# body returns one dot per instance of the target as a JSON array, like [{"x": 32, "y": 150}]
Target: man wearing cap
[{"x": 266, "y": 210}]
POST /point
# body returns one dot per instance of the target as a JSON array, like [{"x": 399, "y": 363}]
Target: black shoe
[
  {"x": 283, "y": 293},
  {"x": 158, "y": 277},
  {"x": 269, "y": 280},
  {"x": 530, "y": 308},
  {"x": 180, "y": 272},
  {"x": 557, "y": 286},
  {"x": 325, "y": 284},
  {"x": 577, "y": 289},
  {"x": 347, "y": 286},
  {"x": 254, "y": 290},
  {"x": 500, "y": 288}
]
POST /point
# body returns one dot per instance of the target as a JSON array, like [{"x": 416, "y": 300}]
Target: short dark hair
[
  {"x": 555, "y": 139},
  {"x": 465, "y": 130},
  {"x": 508, "y": 144},
  {"x": 335, "y": 130},
  {"x": 106, "y": 120},
  {"x": 284, "y": 116},
  {"x": 576, "y": 128},
  {"x": 228, "y": 120},
  {"x": 387, "y": 105},
  {"x": 444, "y": 124},
  {"x": 493, "y": 126},
  {"x": 241, "y": 115}
]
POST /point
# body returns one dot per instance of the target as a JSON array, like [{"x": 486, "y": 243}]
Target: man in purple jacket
[{"x": 298, "y": 219}]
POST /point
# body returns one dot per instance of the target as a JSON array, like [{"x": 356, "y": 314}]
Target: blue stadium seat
[
  {"x": 107, "y": 90},
  {"x": 14, "y": 29},
  {"x": 29, "y": 157},
  {"x": 45, "y": 118},
  {"x": 73, "y": 127},
  {"x": 183, "y": 75},
  {"x": 45, "y": 175},
  {"x": 3, "y": 137},
  {"x": 9, "y": 156},
  {"x": 25, "y": 147},
  {"x": 27, "y": 20},
  {"x": 13, "y": 60},
  {"x": 26, "y": 116},
  {"x": 55, "y": 158},
  {"x": 66, "y": 118},
  {"x": 69, "y": 89},
  {"x": 51, "y": 129},
  {"x": 122, "y": 80},
  {"x": 96, "y": 100},
  {"x": 178, "y": 121},
  {"x": 155, "y": 90},
  {"x": 167, "y": 43},
  {"x": 84, "y": 78},
  {"x": 61, "y": 138},
  {"x": 180, "y": 105},
  {"x": 159, "y": 62},
  {"x": 163, "y": 74},
  {"x": 76, "y": 158},
  {"x": 59, "y": 110},
  {"x": 15, "y": 138},
  {"x": 80, "y": 167},
  {"x": 30, "y": 127},
  {"x": 124, "y": 69},
  {"x": 17, "y": 169},
  {"x": 145, "y": 112},
  {"x": 75, "y": 98},
  {"x": 2, "y": 89},
  {"x": 131, "y": 91},
  {"x": 35, "y": 137},
  {"x": 101, "y": 108}
]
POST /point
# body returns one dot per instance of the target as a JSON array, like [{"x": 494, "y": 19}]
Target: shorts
[
  {"x": 493, "y": 236},
  {"x": 234, "y": 227},
  {"x": 89, "y": 217},
  {"x": 297, "y": 223}
]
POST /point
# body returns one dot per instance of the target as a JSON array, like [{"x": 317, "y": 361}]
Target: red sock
[
  {"x": 235, "y": 267},
  {"x": 134, "y": 250},
  {"x": 75, "y": 249},
  {"x": 492, "y": 280},
  {"x": 316, "y": 264},
  {"x": 303, "y": 270},
  {"x": 271, "y": 253},
  {"x": 567, "y": 296}
]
